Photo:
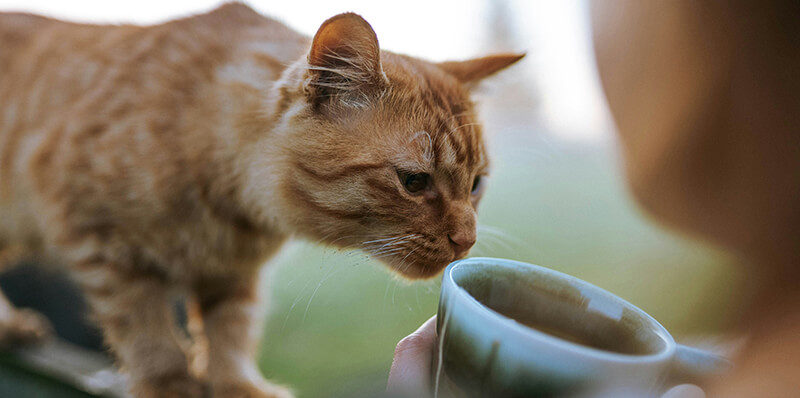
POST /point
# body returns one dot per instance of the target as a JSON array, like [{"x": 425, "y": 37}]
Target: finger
[
  {"x": 410, "y": 375},
  {"x": 685, "y": 391}
]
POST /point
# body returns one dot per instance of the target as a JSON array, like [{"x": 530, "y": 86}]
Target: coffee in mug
[{"x": 510, "y": 329}]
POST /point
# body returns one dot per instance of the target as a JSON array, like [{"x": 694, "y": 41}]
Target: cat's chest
[{"x": 218, "y": 248}]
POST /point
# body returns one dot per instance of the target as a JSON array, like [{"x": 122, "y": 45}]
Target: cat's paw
[
  {"x": 24, "y": 326},
  {"x": 174, "y": 386},
  {"x": 245, "y": 390}
]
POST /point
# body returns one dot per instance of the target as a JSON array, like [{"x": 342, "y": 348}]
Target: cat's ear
[
  {"x": 472, "y": 71},
  {"x": 344, "y": 60}
]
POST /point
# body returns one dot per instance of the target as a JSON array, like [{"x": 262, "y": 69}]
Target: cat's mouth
[
  {"x": 413, "y": 256},
  {"x": 423, "y": 266}
]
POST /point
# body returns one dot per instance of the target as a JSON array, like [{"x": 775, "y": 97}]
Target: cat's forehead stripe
[
  {"x": 448, "y": 118},
  {"x": 447, "y": 154},
  {"x": 459, "y": 146},
  {"x": 426, "y": 142}
]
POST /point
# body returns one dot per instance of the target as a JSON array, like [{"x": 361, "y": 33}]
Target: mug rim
[{"x": 506, "y": 322}]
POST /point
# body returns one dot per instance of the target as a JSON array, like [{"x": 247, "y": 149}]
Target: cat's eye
[
  {"x": 414, "y": 183},
  {"x": 476, "y": 184}
]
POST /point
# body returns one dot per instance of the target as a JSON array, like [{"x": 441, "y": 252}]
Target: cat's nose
[{"x": 461, "y": 241}]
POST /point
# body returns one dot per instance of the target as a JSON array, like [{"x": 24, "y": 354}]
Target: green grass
[{"x": 336, "y": 316}]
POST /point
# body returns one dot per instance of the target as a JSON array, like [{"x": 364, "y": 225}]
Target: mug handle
[{"x": 692, "y": 365}]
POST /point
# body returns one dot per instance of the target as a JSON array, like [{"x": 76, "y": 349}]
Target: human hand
[{"x": 410, "y": 375}]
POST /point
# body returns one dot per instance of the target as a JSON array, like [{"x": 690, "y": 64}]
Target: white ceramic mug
[{"x": 486, "y": 348}]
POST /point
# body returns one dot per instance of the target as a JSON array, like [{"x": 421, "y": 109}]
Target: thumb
[
  {"x": 410, "y": 375},
  {"x": 685, "y": 391}
]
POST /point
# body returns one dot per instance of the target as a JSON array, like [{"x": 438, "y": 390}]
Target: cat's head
[{"x": 383, "y": 152}]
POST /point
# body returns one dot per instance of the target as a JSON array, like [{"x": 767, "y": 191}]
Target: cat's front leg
[
  {"x": 232, "y": 313},
  {"x": 134, "y": 310},
  {"x": 18, "y": 326}
]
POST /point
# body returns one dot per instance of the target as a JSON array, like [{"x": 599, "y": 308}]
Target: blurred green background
[
  {"x": 336, "y": 316},
  {"x": 556, "y": 196}
]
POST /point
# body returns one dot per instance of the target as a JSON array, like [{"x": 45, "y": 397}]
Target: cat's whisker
[
  {"x": 397, "y": 238},
  {"x": 498, "y": 231},
  {"x": 378, "y": 240},
  {"x": 387, "y": 240},
  {"x": 403, "y": 265},
  {"x": 458, "y": 115},
  {"x": 481, "y": 248},
  {"x": 416, "y": 295},
  {"x": 390, "y": 245},
  {"x": 324, "y": 279},
  {"x": 397, "y": 244},
  {"x": 294, "y": 304},
  {"x": 496, "y": 241},
  {"x": 325, "y": 237},
  {"x": 500, "y": 240},
  {"x": 463, "y": 126},
  {"x": 377, "y": 247},
  {"x": 488, "y": 235},
  {"x": 389, "y": 282},
  {"x": 495, "y": 231},
  {"x": 409, "y": 253},
  {"x": 333, "y": 242},
  {"x": 388, "y": 253},
  {"x": 455, "y": 129},
  {"x": 394, "y": 291},
  {"x": 487, "y": 242},
  {"x": 377, "y": 250}
]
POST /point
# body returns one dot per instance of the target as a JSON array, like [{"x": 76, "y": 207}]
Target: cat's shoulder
[
  {"x": 237, "y": 17},
  {"x": 16, "y": 27},
  {"x": 232, "y": 14},
  {"x": 226, "y": 20},
  {"x": 21, "y": 21}
]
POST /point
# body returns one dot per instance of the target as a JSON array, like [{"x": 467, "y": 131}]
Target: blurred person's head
[{"x": 706, "y": 97}]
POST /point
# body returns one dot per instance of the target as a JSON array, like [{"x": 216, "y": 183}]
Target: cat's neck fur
[{"x": 251, "y": 89}]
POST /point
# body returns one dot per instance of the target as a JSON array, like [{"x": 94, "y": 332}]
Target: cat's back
[
  {"x": 69, "y": 58},
  {"x": 55, "y": 73},
  {"x": 16, "y": 32},
  {"x": 76, "y": 98},
  {"x": 60, "y": 79}
]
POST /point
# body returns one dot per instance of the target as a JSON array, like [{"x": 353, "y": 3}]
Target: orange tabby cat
[{"x": 177, "y": 158}]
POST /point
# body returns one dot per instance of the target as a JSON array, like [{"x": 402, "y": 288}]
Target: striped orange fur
[{"x": 179, "y": 157}]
